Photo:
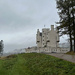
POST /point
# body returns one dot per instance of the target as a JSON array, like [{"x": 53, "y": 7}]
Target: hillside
[{"x": 35, "y": 64}]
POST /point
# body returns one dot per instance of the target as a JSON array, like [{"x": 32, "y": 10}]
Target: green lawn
[{"x": 35, "y": 64}]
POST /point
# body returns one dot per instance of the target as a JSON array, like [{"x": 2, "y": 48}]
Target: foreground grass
[{"x": 35, "y": 64}]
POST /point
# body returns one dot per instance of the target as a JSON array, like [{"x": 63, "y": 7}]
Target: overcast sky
[{"x": 20, "y": 19}]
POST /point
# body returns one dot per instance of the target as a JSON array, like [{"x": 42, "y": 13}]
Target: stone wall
[{"x": 47, "y": 50}]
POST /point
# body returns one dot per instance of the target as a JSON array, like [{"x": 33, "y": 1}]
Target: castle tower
[
  {"x": 44, "y": 36},
  {"x": 39, "y": 38}
]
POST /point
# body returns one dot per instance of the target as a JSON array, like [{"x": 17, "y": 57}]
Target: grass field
[{"x": 35, "y": 64}]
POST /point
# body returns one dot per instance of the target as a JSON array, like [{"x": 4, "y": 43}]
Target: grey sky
[{"x": 20, "y": 19}]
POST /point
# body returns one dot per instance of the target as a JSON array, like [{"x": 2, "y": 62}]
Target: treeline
[{"x": 66, "y": 11}]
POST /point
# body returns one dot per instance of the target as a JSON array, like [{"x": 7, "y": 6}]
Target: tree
[
  {"x": 1, "y": 47},
  {"x": 67, "y": 19},
  {"x": 73, "y": 19}
]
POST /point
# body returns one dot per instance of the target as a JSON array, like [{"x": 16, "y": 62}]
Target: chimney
[
  {"x": 52, "y": 27},
  {"x": 37, "y": 30}
]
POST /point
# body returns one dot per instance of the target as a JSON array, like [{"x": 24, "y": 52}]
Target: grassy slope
[{"x": 35, "y": 64}]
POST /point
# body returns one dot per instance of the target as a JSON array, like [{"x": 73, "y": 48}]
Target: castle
[
  {"x": 47, "y": 38},
  {"x": 47, "y": 42}
]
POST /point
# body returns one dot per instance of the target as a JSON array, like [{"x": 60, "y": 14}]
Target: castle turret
[{"x": 57, "y": 31}]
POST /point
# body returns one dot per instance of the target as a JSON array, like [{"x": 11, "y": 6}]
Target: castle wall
[{"x": 47, "y": 50}]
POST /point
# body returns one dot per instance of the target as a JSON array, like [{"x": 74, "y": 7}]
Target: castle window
[
  {"x": 40, "y": 34},
  {"x": 38, "y": 41},
  {"x": 48, "y": 41}
]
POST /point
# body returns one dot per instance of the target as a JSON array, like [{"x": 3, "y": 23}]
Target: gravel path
[{"x": 67, "y": 57}]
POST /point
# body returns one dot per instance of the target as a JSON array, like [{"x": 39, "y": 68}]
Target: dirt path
[{"x": 70, "y": 58}]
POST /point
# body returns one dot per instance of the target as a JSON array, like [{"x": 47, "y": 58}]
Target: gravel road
[{"x": 67, "y": 57}]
